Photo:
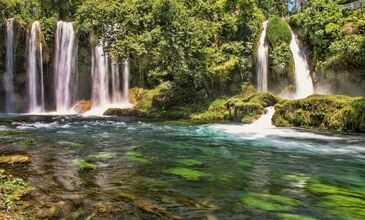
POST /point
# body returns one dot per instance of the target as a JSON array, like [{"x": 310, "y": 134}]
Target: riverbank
[{"x": 329, "y": 112}]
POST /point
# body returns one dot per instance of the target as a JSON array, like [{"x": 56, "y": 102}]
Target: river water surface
[{"x": 192, "y": 171}]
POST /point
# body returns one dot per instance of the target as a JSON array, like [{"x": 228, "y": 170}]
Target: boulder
[
  {"x": 82, "y": 106},
  {"x": 120, "y": 112}
]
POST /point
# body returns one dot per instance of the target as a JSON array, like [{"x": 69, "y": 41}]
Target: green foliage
[
  {"x": 137, "y": 157},
  {"x": 278, "y": 31},
  {"x": 190, "y": 162},
  {"x": 201, "y": 44}
]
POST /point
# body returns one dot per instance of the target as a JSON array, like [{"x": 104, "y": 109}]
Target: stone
[
  {"x": 12, "y": 159},
  {"x": 82, "y": 106}
]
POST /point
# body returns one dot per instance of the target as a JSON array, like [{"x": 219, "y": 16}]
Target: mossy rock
[
  {"x": 188, "y": 174},
  {"x": 28, "y": 141},
  {"x": 120, "y": 112},
  {"x": 331, "y": 112}
]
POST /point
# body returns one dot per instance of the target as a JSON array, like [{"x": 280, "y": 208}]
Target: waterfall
[
  {"x": 35, "y": 79},
  {"x": 116, "y": 95},
  {"x": 100, "y": 77},
  {"x": 262, "y": 60},
  {"x": 106, "y": 86},
  {"x": 65, "y": 68},
  {"x": 303, "y": 79},
  {"x": 8, "y": 77},
  {"x": 126, "y": 81}
]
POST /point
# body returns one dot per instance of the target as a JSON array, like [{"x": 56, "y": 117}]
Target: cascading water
[
  {"x": 65, "y": 68},
  {"x": 303, "y": 79},
  {"x": 262, "y": 60},
  {"x": 106, "y": 87},
  {"x": 126, "y": 81},
  {"x": 35, "y": 79},
  {"x": 100, "y": 88},
  {"x": 116, "y": 95},
  {"x": 8, "y": 77}
]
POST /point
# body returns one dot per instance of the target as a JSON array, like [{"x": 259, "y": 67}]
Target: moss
[
  {"x": 103, "y": 156},
  {"x": 294, "y": 217},
  {"x": 267, "y": 202},
  {"x": 83, "y": 165},
  {"x": 146, "y": 99},
  {"x": 344, "y": 206},
  {"x": 137, "y": 157},
  {"x": 70, "y": 144},
  {"x": 188, "y": 174},
  {"x": 190, "y": 162},
  {"x": 29, "y": 141},
  {"x": 322, "y": 111}
]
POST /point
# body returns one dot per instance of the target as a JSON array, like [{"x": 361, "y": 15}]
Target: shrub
[{"x": 278, "y": 31}]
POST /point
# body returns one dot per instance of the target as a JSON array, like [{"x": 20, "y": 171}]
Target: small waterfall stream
[
  {"x": 65, "y": 68},
  {"x": 262, "y": 60},
  {"x": 35, "y": 81},
  {"x": 303, "y": 79},
  {"x": 8, "y": 77}
]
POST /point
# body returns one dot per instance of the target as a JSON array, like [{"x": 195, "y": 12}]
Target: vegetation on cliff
[
  {"x": 280, "y": 56},
  {"x": 341, "y": 113}
]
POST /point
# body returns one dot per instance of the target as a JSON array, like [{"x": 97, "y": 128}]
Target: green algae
[
  {"x": 83, "y": 165},
  {"x": 137, "y": 157},
  {"x": 190, "y": 162},
  {"x": 286, "y": 216},
  {"x": 11, "y": 190},
  {"x": 70, "y": 144},
  {"x": 28, "y": 141},
  {"x": 103, "y": 156},
  {"x": 344, "y": 206},
  {"x": 188, "y": 174},
  {"x": 267, "y": 202}
]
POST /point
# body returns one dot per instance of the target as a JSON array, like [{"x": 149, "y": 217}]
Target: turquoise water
[{"x": 215, "y": 171}]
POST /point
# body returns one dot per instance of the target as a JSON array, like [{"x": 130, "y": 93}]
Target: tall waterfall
[
  {"x": 126, "y": 81},
  {"x": 35, "y": 81},
  {"x": 107, "y": 90},
  {"x": 100, "y": 77},
  {"x": 262, "y": 60},
  {"x": 65, "y": 68},
  {"x": 8, "y": 77},
  {"x": 303, "y": 79}
]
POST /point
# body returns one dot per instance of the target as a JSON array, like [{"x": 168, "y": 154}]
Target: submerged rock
[
  {"x": 82, "y": 106},
  {"x": 156, "y": 210},
  {"x": 12, "y": 159}
]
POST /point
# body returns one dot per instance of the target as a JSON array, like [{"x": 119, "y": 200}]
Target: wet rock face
[
  {"x": 120, "y": 112},
  {"x": 82, "y": 106}
]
